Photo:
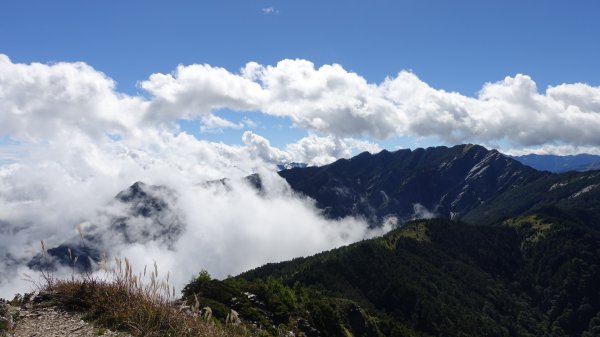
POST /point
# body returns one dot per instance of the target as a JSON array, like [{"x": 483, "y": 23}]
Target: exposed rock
[
  {"x": 51, "y": 321},
  {"x": 308, "y": 330},
  {"x": 6, "y": 319},
  {"x": 38, "y": 316}
]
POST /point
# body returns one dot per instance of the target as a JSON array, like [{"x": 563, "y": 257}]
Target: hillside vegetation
[
  {"x": 523, "y": 259},
  {"x": 533, "y": 275}
]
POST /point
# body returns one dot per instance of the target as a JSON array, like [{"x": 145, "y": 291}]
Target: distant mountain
[
  {"x": 514, "y": 251},
  {"x": 138, "y": 214},
  {"x": 437, "y": 181},
  {"x": 291, "y": 165},
  {"x": 466, "y": 182},
  {"x": 147, "y": 214},
  {"x": 560, "y": 164}
]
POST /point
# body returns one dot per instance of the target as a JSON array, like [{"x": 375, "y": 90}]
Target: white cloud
[
  {"x": 44, "y": 101},
  {"x": 249, "y": 123},
  {"x": 362, "y": 145},
  {"x": 315, "y": 150},
  {"x": 212, "y": 123},
  {"x": 312, "y": 150},
  {"x": 197, "y": 90},
  {"x": 269, "y": 10},
  {"x": 561, "y": 150},
  {"x": 328, "y": 99},
  {"x": 334, "y": 101},
  {"x": 40, "y": 101},
  {"x": 260, "y": 147}
]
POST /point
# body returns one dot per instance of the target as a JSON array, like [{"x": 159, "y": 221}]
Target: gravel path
[{"x": 54, "y": 322}]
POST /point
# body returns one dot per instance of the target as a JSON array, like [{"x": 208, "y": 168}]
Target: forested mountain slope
[
  {"x": 524, "y": 259},
  {"x": 534, "y": 275}
]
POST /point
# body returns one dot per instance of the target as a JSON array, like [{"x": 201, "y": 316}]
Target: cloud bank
[
  {"x": 227, "y": 230},
  {"x": 71, "y": 142},
  {"x": 40, "y": 101},
  {"x": 334, "y": 101}
]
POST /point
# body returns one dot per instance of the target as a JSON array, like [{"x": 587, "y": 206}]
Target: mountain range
[
  {"x": 483, "y": 245},
  {"x": 541, "y": 162},
  {"x": 443, "y": 182},
  {"x": 465, "y": 182},
  {"x": 560, "y": 164},
  {"x": 512, "y": 252}
]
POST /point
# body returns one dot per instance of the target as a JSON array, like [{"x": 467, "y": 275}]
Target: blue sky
[
  {"x": 455, "y": 45},
  {"x": 450, "y": 45}
]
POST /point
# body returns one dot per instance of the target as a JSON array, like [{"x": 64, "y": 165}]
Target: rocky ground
[{"x": 41, "y": 318}]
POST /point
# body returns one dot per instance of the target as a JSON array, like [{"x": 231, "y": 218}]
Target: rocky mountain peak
[{"x": 445, "y": 181}]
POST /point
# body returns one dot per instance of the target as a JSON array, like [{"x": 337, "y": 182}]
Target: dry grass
[{"x": 124, "y": 301}]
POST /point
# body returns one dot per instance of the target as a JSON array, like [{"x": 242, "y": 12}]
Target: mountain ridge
[
  {"x": 446, "y": 181},
  {"x": 465, "y": 182},
  {"x": 561, "y": 164},
  {"x": 522, "y": 260}
]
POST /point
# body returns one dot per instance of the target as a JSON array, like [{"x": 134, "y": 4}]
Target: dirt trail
[
  {"x": 39, "y": 316},
  {"x": 54, "y": 322}
]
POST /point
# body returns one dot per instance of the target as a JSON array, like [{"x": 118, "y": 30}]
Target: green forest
[{"x": 532, "y": 275}]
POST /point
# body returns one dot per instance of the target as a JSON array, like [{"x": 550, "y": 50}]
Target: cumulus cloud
[
  {"x": 39, "y": 101},
  {"x": 334, "y": 101},
  {"x": 198, "y": 89},
  {"x": 312, "y": 150},
  {"x": 315, "y": 150},
  {"x": 212, "y": 123},
  {"x": 561, "y": 150},
  {"x": 269, "y": 10},
  {"x": 260, "y": 147},
  {"x": 328, "y": 99}
]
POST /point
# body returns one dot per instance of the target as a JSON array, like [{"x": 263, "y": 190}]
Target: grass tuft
[{"x": 123, "y": 301}]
